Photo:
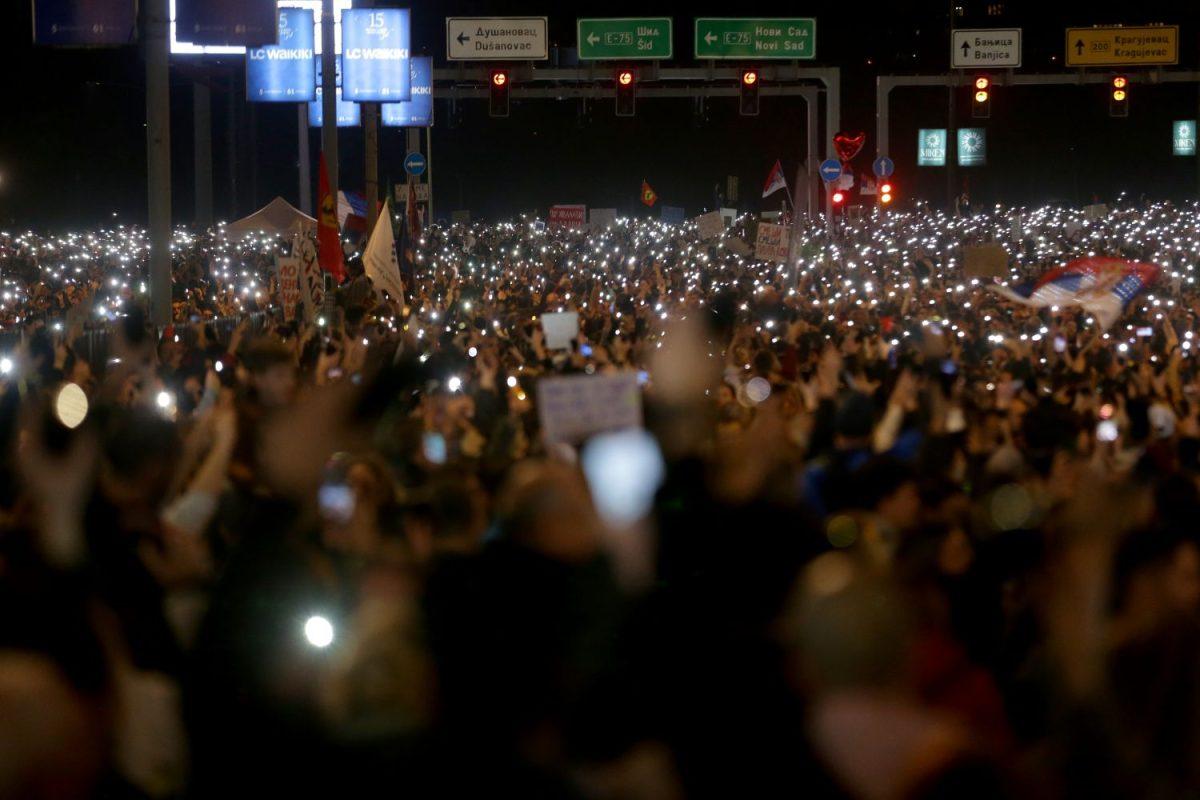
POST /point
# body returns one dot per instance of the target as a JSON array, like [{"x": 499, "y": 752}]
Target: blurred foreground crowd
[{"x": 885, "y": 534}]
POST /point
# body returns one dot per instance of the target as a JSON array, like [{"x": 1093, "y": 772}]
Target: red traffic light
[
  {"x": 499, "y": 78},
  {"x": 1120, "y": 82},
  {"x": 625, "y": 77},
  {"x": 838, "y": 198},
  {"x": 750, "y": 77},
  {"x": 982, "y": 82},
  {"x": 886, "y": 188}
]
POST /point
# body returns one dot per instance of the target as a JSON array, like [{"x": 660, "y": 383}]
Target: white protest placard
[
  {"x": 729, "y": 215},
  {"x": 1095, "y": 211},
  {"x": 287, "y": 268},
  {"x": 574, "y": 407},
  {"x": 772, "y": 242},
  {"x": 601, "y": 218},
  {"x": 312, "y": 282},
  {"x": 710, "y": 225},
  {"x": 560, "y": 327}
]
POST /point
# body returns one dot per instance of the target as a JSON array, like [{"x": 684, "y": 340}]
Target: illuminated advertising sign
[
  {"x": 349, "y": 115},
  {"x": 182, "y": 44},
  {"x": 972, "y": 147},
  {"x": 375, "y": 55},
  {"x": 84, "y": 23},
  {"x": 283, "y": 73},
  {"x": 417, "y": 112},
  {"x": 242, "y": 23},
  {"x": 931, "y": 147}
]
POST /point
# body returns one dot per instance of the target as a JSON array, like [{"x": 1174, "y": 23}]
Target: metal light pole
[
  {"x": 329, "y": 137},
  {"x": 158, "y": 157}
]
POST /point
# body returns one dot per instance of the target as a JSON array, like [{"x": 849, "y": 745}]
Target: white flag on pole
[{"x": 379, "y": 258}]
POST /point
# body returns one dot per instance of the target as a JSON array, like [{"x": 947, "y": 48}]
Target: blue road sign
[
  {"x": 414, "y": 164},
  {"x": 883, "y": 167},
  {"x": 831, "y": 170}
]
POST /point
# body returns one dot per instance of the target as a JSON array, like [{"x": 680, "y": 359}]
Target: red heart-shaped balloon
[{"x": 848, "y": 144}]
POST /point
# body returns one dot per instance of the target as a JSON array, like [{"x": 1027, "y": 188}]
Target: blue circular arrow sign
[
  {"x": 414, "y": 164},
  {"x": 883, "y": 167},
  {"x": 831, "y": 170}
]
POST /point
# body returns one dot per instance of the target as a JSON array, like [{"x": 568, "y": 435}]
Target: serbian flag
[
  {"x": 328, "y": 239},
  {"x": 649, "y": 198},
  {"x": 1100, "y": 285},
  {"x": 775, "y": 181}
]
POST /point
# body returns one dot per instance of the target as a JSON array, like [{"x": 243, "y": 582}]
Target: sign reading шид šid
[
  {"x": 931, "y": 147},
  {"x": 624, "y": 39},
  {"x": 1183, "y": 137},
  {"x": 1120, "y": 46},
  {"x": 721, "y": 37}
]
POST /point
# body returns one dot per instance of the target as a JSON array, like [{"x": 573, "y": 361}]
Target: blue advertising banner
[
  {"x": 418, "y": 112},
  {"x": 375, "y": 55},
  {"x": 283, "y": 73},
  {"x": 244, "y": 23},
  {"x": 84, "y": 23},
  {"x": 349, "y": 115}
]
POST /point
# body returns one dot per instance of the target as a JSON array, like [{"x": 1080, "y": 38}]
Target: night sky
[{"x": 72, "y": 141}]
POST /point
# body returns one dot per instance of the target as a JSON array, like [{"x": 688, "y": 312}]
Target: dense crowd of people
[{"x": 884, "y": 533}]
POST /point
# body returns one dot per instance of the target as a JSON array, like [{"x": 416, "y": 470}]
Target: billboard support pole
[
  {"x": 329, "y": 137},
  {"x": 158, "y": 158},
  {"x": 370, "y": 118},
  {"x": 429, "y": 169},
  {"x": 304, "y": 159},
  {"x": 202, "y": 122}
]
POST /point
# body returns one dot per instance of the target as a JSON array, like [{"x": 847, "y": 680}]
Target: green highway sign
[
  {"x": 624, "y": 39},
  {"x": 752, "y": 39}
]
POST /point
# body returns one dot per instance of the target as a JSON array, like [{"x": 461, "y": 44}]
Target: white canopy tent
[{"x": 278, "y": 217}]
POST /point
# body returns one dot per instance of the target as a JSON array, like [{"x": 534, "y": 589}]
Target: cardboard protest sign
[
  {"x": 985, "y": 261},
  {"x": 287, "y": 269},
  {"x": 771, "y": 243},
  {"x": 710, "y": 225},
  {"x": 574, "y": 407}
]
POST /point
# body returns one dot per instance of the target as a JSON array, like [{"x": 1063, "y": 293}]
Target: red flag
[
  {"x": 649, "y": 198},
  {"x": 329, "y": 240}
]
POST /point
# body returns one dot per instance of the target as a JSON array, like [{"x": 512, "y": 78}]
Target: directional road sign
[
  {"x": 624, "y": 39},
  {"x": 883, "y": 167},
  {"x": 718, "y": 37},
  {"x": 496, "y": 39},
  {"x": 831, "y": 170},
  {"x": 985, "y": 47},
  {"x": 1116, "y": 47},
  {"x": 414, "y": 163}
]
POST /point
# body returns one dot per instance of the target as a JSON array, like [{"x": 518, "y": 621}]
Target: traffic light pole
[
  {"x": 202, "y": 152},
  {"x": 951, "y": 141}
]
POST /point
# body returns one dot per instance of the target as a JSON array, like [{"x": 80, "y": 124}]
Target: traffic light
[
  {"x": 626, "y": 82},
  {"x": 1118, "y": 101},
  {"x": 837, "y": 199},
  {"x": 498, "y": 106},
  {"x": 749, "y": 96},
  {"x": 981, "y": 108},
  {"x": 886, "y": 194}
]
